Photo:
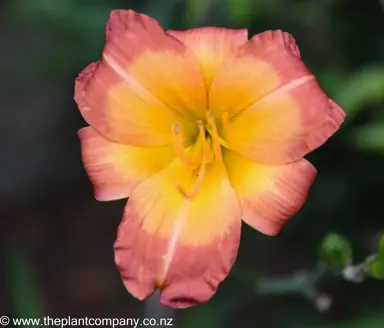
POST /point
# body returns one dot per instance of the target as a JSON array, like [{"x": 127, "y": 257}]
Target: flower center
[{"x": 205, "y": 150}]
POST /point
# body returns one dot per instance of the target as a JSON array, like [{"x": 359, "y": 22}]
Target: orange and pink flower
[{"x": 201, "y": 129}]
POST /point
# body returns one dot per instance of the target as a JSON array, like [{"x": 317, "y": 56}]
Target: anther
[{"x": 177, "y": 128}]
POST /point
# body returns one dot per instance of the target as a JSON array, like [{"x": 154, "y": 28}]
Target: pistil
[{"x": 205, "y": 150}]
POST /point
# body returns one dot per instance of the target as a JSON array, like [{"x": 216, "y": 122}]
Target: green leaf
[
  {"x": 163, "y": 11},
  {"x": 370, "y": 137},
  {"x": 381, "y": 246},
  {"x": 212, "y": 314},
  {"x": 87, "y": 22},
  {"x": 375, "y": 266},
  {"x": 196, "y": 11},
  {"x": 241, "y": 11},
  {"x": 23, "y": 284},
  {"x": 203, "y": 317},
  {"x": 363, "y": 87},
  {"x": 335, "y": 252}
]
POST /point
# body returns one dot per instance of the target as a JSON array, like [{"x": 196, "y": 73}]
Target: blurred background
[{"x": 57, "y": 255}]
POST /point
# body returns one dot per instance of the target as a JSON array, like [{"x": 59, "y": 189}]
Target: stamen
[
  {"x": 178, "y": 138},
  {"x": 215, "y": 137},
  {"x": 197, "y": 184},
  {"x": 209, "y": 155},
  {"x": 206, "y": 159}
]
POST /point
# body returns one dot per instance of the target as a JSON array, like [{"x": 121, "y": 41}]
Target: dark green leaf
[
  {"x": 196, "y": 11},
  {"x": 23, "y": 284},
  {"x": 240, "y": 11},
  {"x": 370, "y": 137},
  {"x": 375, "y": 264},
  {"x": 212, "y": 314},
  {"x": 335, "y": 252},
  {"x": 375, "y": 267},
  {"x": 381, "y": 246},
  {"x": 363, "y": 87}
]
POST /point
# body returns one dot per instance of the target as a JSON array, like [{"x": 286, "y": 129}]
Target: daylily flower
[{"x": 201, "y": 129}]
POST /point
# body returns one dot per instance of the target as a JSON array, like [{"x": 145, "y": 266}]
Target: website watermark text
[{"x": 69, "y": 321}]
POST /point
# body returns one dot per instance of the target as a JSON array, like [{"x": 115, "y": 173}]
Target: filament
[
  {"x": 178, "y": 143},
  {"x": 206, "y": 158},
  {"x": 215, "y": 138}
]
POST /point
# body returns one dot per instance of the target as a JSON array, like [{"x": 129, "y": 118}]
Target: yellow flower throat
[{"x": 205, "y": 150}]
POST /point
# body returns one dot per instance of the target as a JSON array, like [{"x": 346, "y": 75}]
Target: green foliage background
[{"x": 342, "y": 42}]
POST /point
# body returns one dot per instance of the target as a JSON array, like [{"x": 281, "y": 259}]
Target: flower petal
[
  {"x": 277, "y": 111},
  {"x": 118, "y": 111},
  {"x": 286, "y": 125},
  {"x": 265, "y": 63},
  {"x": 115, "y": 169},
  {"x": 142, "y": 50},
  {"x": 145, "y": 81},
  {"x": 212, "y": 46},
  {"x": 269, "y": 195},
  {"x": 185, "y": 247}
]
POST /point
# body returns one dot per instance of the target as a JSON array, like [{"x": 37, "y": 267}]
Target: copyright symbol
[{"x": 4, "y": 320}]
